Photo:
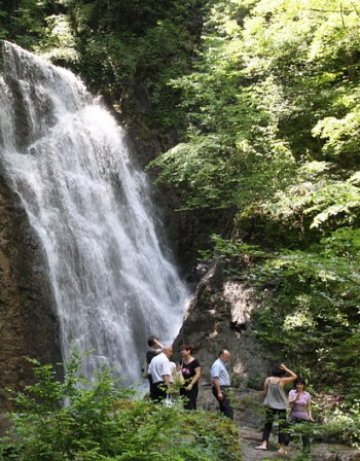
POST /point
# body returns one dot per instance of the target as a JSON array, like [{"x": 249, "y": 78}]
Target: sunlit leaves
[{"x": 342, "y": 136}]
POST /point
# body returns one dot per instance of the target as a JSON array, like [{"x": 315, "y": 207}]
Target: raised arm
[
  {"x": 293, "y": 396},
  {"x": 287, "y": 379},
  {"x": 158, "y": 344}
]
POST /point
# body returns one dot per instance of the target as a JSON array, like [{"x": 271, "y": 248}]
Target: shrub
[{"x": 103, "y": 421}]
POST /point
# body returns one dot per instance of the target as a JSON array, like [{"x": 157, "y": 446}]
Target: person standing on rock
[
  {"x": 160, "y": 371},
  {"x": 220, "y": 381},
  {"x": 276, "y": 404}
]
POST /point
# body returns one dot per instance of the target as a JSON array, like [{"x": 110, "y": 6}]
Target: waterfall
[{"x": 67, "y": 159}]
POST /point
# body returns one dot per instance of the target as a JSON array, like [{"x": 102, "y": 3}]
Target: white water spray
[{"x": 67, "y": 159}]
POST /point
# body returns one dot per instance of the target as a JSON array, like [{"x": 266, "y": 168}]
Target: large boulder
[{"x": 219, "y": 317}]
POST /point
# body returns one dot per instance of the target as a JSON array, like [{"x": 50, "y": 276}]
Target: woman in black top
[{"x": 191, "y": 371}]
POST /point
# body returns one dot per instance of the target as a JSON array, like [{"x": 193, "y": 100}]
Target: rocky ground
[
  {"x": 220, "y": 317},
  {"x": 249, "y": 439},
  {"x": 249, "y": 418}
]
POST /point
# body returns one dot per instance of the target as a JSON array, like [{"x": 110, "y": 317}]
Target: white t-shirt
[{"x": 159, "y": 367}]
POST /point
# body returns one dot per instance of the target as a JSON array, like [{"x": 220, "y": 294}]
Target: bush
[{"x": 82, "y": 421}]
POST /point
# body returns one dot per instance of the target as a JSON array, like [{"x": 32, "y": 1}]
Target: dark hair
[
  {"x": 299, "y": 381},
  {"x": 278, "y": 372},
  {"x": 187, "y": 347},
  {"x": 152, "y": 341},
  {"x": 222, "y": 352}
]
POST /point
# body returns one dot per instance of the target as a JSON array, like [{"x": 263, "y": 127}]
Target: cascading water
[{"x": 67, "y": 159}]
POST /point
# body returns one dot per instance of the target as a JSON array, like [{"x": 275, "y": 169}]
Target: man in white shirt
[
  {"x": 220, "y": 380},
  {"x": 155, "y": 347},
  {"x": 160, "y": 370}
]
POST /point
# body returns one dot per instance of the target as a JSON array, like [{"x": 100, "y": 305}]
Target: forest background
[{"x": 252, "y": 112}]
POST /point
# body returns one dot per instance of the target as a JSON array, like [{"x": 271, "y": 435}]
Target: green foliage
[
  {"x": 324, "y": 200},
  {"x": 272, "y": 91},
  {"x": 126, "y": 50},
  {"x": 340, "y": 422},
  {"x": 76, "y": 420},
  {"x": 273, "y": 131},
  {"x": 315, "y": 308},
  {"x": 264, "y": 96},
  {"x": 203, "y": 169},
  {"x": 343, "y": 423},
  {"x": 26, "y": 22},
  {"x": 342, "y": 140},
  {"x": 129, "y": 51},
  {"x": 312, "y": 316}
]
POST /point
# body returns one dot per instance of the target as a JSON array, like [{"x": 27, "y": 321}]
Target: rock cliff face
[
  {"x": 28, "y": 324},
  {"x": 219, "y": 318}
]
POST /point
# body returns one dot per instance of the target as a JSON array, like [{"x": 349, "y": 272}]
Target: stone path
[
  {"x": 250, "y": 421},
  {"x": 250, "y": 438}
]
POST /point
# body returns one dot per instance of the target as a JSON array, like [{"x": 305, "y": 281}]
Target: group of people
[
  {"x": 162, "y": 373},
  {"x": 296, "y": 408}
]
